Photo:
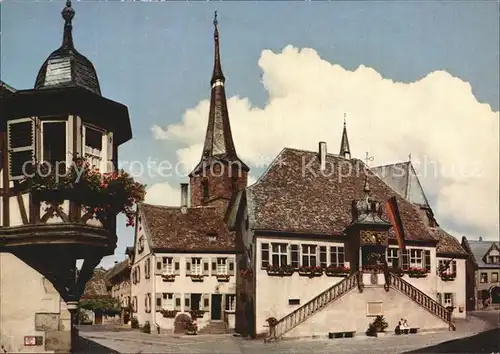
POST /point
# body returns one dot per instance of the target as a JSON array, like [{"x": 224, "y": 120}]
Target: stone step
[{"x": 214, "y": 328}]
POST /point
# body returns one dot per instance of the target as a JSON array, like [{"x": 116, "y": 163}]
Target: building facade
[
  {"x": 483, "y": 266},
  {"x": 318, "y": 227},
  {"x": 119, "y": 278},
  {"x": 184, "y": 261}
]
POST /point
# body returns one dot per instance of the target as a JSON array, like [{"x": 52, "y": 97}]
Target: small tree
[{"x": 104, "y": 304}]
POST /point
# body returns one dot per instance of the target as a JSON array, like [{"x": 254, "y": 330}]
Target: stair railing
[
  {"x": 299, "y": 315},
  {"x": 422, "y": 299}
]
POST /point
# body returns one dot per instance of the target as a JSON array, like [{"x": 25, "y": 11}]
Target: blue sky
[{"x": 157, "y": 57}]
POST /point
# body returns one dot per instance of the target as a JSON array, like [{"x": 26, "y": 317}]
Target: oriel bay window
[{"x": 279, "y": 254}]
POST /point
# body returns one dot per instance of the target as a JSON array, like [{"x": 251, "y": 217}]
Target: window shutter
[
  {"x": 177, "y": 266},
  {"x": 214, "y": 266},
  {"x": 406, "y": 259},
  {"x": 439, "y": 298},
  {"x": 188, "y": 266},
  {"x": 428, "y": 261},
  {"x": 159, "y": 265},
  {"x": 264, "y": 254},
  {"x": 231, "y": 267},
  {"x": 453, "y": 299},
  {"x": 158, "y": 302},
  {"x": 177, "y": 302},
  {"x": 206, "y": 302},
  {"x": 21, "y": 146},
  {"x": 295, "y": 255},
  {"x": 322, "y": 256},
  {"x": 109, "y": 153},
  {"x": 187, "y": 302},
  {"x": 206, "y": 265}
]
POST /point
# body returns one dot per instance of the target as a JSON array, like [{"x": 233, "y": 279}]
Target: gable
[{"x": 142, "y": 246}]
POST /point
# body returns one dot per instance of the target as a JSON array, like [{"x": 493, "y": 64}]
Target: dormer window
[
  {"x": 212, "y": 237},
  {"x": 54, "y": 143},
  {"x": 93, "y": 148}
]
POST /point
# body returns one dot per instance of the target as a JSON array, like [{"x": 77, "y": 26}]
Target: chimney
[
  {"x": 322, "y": 155},
  {"x": 184, "y": 194}
]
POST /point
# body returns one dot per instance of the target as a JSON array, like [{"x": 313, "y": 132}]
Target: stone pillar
[{"x": 73, "y": 310}]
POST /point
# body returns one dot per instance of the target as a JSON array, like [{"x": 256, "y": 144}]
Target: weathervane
[
  {"x": 345, "y": 116},
  {"x": 215, "y": 19}
]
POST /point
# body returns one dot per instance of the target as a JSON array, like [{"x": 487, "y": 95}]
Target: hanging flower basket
[
  {"x": 105, "y": 195},
  {"x": 280, "y": 270},
  {"x": 334, "y": 271},
  {"x": 311, "y": 271},
  {"x": 222, "y": 277},
  {"x": 417, "y": 273},
  {"x": 169, "y": 313},
  {"x": 448, "y": 276}
]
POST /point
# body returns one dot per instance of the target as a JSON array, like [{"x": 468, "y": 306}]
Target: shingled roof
[
  {"x": 447, "y": 244},
  {"x": 293, "y": 196},
  {"x": 170, "y": 229},
  {"x": 119, "y": 268}
]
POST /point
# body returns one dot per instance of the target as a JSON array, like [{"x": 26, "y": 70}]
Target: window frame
[
  {"x": 337, "y": 251},
  {"x": 495, "y": 274},
  {"x": 447, "y": 303},
  {"x": 222, "y": 266},
  {"x": 281, "y": 253},
  {"x": 196, "y": 266},
  {"x": 414, "y": 259},
  {"x": 264, "y": 250},
  {"x": 166, "y": 266},
  {"x": 309, "y": 255},
  {"x": 481, "y": 278},
  {"x": 102, "y": 157},
  {"x": 67, "y": 153},
  {"x": 392, "y": 257}
]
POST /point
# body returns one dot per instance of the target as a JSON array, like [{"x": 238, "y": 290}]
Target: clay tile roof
[
  {"x": 170, "y": 229},
  {"x": 289, "y": 197},
  {"x": 118, "y": 268},
  {"x": 447, "y": 244}
]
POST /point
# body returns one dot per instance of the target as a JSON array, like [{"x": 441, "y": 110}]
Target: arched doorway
[
  {"x": 181, "y": 322},
  {"x": 495, "y": 295}
]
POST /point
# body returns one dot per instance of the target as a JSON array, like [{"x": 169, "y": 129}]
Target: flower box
[
  {"x": 333, "y": 271},
  {"x": 416, "y": 273},
  {"x": 168, "y": 277},
  {"x": 196, "y": 277},
  {"x": 280, "y": 270},
  {"x": 448, "y": 276},
  {"x": 169, "y": 313},
  {"x": 310, "y": 271},
  {"x": 222, "y": 277}
]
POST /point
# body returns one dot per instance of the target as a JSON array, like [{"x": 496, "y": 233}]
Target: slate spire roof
[
  {"x": 345, "y": 150},
  {"x": 219, "y": 144},
  {"x": 66, "y": 67}
]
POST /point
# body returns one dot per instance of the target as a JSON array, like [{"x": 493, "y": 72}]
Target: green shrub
[
  {"x": 146, "y": 328},
  {"x": 134, "y": 322}
]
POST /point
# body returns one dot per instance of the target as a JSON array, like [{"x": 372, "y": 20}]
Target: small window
[
  {"x": 392, "y": 258},
  {"x": 21, "y": 144},
  {"x": 293, "y": 301},
  {"x": 279, "y": 254},
  {"x": 177, "y": 302},
  {"x": 337, "y": 256},
  {"x": 309, "y": 256},
  {"x": 295, "y": 255},
  {"x": 448, "y": 299},
  {"x": 158, "y": 301},
  {"x": 206, "y": 302},
  {"x": 322, "y": 256},
  {"x": 494, "y": 277},
  {"x": 483, "y": 278},
  {"x": 204, "y": 185}
]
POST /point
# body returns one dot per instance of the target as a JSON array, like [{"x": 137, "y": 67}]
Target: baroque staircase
[
  {"x": 422, "y": 299},
  {"x": 301, "y": 314},
  {"x": 293, "y": 319}
]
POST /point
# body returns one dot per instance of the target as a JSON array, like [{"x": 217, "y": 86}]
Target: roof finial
[
  {"x": 368, "y": 158},
  {"x": 366, "y": 187},
  {"x": 67, "y": 14},
  {"x": 345, "y": 116},
  {"x": 345, "y": 150},
  {"x": 409, "y": 157},
  {"x": 217, "y": 74}
]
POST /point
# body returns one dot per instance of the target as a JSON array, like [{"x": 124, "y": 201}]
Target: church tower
[{"x": 220, "y": 172}]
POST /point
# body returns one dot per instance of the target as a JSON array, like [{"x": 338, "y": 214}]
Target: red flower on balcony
[
  {"x": 416, "y": 272},
  {"x": 332, "y": 270}
]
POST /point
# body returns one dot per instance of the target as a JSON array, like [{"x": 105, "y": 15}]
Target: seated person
[
  {"x": 405, "y": 327},
  {"x": 398, "y": 329}
]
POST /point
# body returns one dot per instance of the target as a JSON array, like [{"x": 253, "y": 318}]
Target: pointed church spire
[
  {"x": 345, "y": 151},
  {"x": 219, "y": 144},
  {"x": 217, "y": 74},
  {"x": 67, "y": 14}
]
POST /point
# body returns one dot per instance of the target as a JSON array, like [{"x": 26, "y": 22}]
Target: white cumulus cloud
[
  {"x": 163, "y": 194},
  {"x": 452, "y": 137}
]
